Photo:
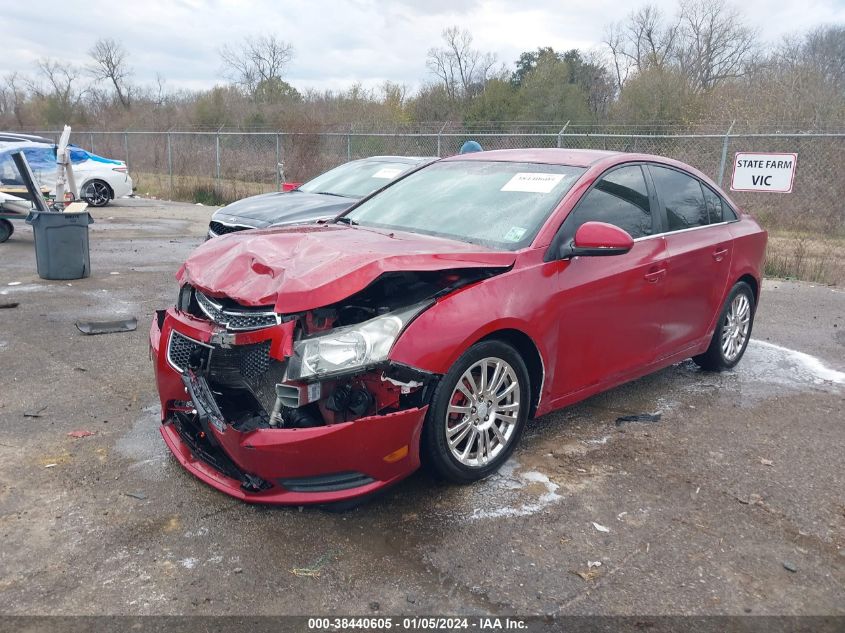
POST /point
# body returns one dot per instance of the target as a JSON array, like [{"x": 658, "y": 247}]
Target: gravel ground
[{"x": 732, "y": 503}]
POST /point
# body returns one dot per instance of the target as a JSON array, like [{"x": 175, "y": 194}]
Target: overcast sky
[{"x": 336, "y": 42}]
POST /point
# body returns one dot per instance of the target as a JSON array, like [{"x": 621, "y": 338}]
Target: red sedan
[{"x": 432, "y": 320}]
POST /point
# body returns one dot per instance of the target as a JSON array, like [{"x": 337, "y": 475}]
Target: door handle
[
  {"x": 719, "y": 255},
  {"x": 655, "y": 275}
]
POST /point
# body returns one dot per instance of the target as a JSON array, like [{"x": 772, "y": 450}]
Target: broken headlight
[{"x": 350, "y": 348}]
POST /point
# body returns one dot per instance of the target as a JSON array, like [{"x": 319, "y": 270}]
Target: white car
[{"x": 98, "y": 180}]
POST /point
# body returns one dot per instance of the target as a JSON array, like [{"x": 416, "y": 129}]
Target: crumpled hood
[
  {"x": 307, "y": 267},
  {"x": 282, "y": 206}
]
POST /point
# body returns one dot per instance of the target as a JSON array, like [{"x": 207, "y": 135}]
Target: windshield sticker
[
  {"x": 388, "y": 173},
  {"x": 532, "y": 182},
  {"x": 515, "y": 234}
]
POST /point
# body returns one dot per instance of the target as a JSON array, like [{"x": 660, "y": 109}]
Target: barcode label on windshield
[{"x": 530, "y": 182}]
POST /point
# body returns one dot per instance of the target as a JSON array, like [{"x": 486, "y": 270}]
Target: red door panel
[
  {"x": 611, "y": 311},
  {"x": 701, "y": 262}
]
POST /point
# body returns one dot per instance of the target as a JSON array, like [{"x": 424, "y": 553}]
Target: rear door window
[
  {"x": 619, "y": 198},
  {"x": 682, "y": 198},
  {"x": 715, "y": 206}
]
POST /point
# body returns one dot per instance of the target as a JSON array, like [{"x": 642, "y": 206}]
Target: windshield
[
  {"x": 496, "y": 204},
  {"x": 356, "y": 179}
]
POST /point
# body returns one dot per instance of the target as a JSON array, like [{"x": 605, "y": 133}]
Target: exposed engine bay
[{"x": 325, "y": 375}]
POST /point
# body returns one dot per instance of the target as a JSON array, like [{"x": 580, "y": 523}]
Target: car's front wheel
[
  {"x": 477, "y": 413},
  {"x": 733, "y": 331},
  {"x": 97, "y": 193}
]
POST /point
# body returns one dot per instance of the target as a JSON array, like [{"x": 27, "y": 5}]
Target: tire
[
  {"x": 6, "y": 230},
  {"x": 457, "y": 413},
  {"x": 97, "y": 193},
  {"x": 733, "y": 331}
]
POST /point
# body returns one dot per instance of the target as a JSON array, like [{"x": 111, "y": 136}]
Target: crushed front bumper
[{"x": 290, "y": 466}]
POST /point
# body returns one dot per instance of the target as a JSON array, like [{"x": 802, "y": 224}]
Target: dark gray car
[{"x": 326, "y": 196}]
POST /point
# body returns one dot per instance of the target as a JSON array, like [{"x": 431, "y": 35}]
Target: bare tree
[
  {"x": 14, "y": 96},
  {"x": 644, "y": 40},
  {"x": 256, "y": 61},
  {"x": 653, "y": 40},
  {"x": 110, "y": 64},
  {"x": 714, "y": 45},
  {"x": 824, "y": 49},
  {"x": 62, "y": 92},
  {"x": 462, "y": 69},
  {"x": 614, "y": 39}
]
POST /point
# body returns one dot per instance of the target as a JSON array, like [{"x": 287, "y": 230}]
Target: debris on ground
[
  {"x": 136, "y": 495},
  {"x": 587, "y": 576},
  {"x": 791, "y": 567},
  {"x": 766, "y": 462},
  {"x": 50, "y": 465},
  {"x": 107, "y": 327},
  {"x": 752, "y": 499},
  {"x": 36, "y": 414},
  {"x": 9, "y": 305},
  {"x": 14, "y": 283},
  {"x": 238, "y": 570},
  {"x": 640, "y": 417},
  {"x": 600, "y": 528},
  {"x": 593, "y": 563},
  {"x": 313, "y": 570},
  {"x": 81, "y": 433}
]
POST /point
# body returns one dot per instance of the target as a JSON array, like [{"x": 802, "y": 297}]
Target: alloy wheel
[
  {"x": 735, "y": 328},
  {"x": 483, "y": 412},
  {"x": 96, "y": 193}
]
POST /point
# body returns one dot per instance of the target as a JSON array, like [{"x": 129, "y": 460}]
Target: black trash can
[{"x": 61, "y": 244}]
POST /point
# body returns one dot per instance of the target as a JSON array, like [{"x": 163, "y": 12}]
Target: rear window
[{"x": 682, "y": 198}]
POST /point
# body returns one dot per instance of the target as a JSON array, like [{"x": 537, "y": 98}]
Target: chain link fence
[{"x": 219, "y": 166}]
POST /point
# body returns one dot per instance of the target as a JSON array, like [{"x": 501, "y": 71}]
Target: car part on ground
[
  {"x": 321, "y": 363},
  {"x": 128, "y": 324}
]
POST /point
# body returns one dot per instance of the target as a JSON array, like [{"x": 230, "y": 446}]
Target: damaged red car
[{"x": 431, "y": 321}]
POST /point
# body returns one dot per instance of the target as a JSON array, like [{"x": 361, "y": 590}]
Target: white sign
[
  {"x": 764, "y": 172},
  {"x": 532, "y": 182}
]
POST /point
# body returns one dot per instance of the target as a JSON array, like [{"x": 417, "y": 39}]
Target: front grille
[
  {"x": 235, "y": 318},
  {"x": 181, "y": 350},
  {"x": 218, "y": 228},
  {"x": 230, "y": 365}
]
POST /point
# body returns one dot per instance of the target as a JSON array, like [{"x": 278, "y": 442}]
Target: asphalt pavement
[{"x": 732, "y": 502}]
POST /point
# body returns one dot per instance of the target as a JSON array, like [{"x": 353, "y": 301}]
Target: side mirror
[{"x": 598, "y": 239}]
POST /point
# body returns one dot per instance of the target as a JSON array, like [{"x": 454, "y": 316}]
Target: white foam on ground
[
  {"x": 767, "y": 362},
  {"x": 509, "y": 479}
]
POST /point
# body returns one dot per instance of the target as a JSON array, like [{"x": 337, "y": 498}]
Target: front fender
[{"x": 520, "y": 299}]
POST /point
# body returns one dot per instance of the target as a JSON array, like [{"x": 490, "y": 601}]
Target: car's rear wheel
[
  {"x": 97, "y": 193},
  {"x": 477, "y": 413},
  {"x": 733, "y": 331},
  {"x": 6, "y": 230}
]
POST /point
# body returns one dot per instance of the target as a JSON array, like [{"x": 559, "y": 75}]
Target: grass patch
[
  {"x": 207, "y": 191},
  {"x": 805, "y": 256}
]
